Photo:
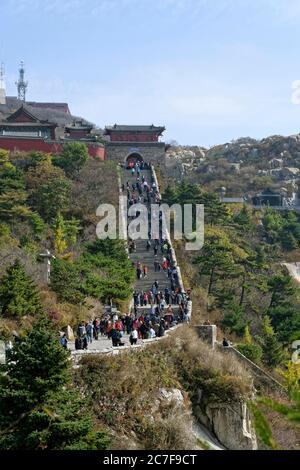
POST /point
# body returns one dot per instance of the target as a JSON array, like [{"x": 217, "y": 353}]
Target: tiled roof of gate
[{"x": 134, "y": 128}]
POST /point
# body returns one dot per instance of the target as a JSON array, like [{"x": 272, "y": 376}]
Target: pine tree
[
  {"x": 72, "y": 158},
  {"x": 216, "y": 260},
  {"x": 281, "y": 287},
  {"x": 39, "y": 407},
  {"x": 170, "y": 196},
  {"x": 272, "y": 351},
  {"x": 234, "y": 319},
  {"x": 66, "y": 280},
  {"x": 215, "y": 211},
  {"x": 244, "y": 220},
  {"x": 18, "y": 294},
  {"x": 272, "y": 348}
]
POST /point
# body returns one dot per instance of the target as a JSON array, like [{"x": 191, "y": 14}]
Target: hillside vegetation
[
  {"x": 49, "y": 202},
  {"x": 143, "y": 399},
  {"x": 244, "y": 166},
  {"x": 131, "y": 394},
  {"x": 246, "y": 290}
]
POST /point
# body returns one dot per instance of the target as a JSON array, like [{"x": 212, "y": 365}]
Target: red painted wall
[
  {"x": 132, "y": 137},
  {"x": 77, "y": 134},
  {"x": 23, "y": 117},
  {"x": 27, "y": 145}
]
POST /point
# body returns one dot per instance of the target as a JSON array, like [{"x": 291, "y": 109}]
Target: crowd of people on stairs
[{"x": 155, "y": 309}]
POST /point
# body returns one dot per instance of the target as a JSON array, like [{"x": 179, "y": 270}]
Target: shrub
[
  {"x": 251, "y": 351},
  {"x": 72, "y": 158}
]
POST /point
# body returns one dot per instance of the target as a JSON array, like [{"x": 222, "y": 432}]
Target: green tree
[
  {"x": 215, "y": 211},
  {"x": 170, "y": 196},
  {"x": 216, "y": 259},
  {"x": 72, "y": 228},
  {"x": 38, "y": 225},
  {"x": 12, "y": 191},
  {"x": 39, "y": 408},
  {"x": 49, "y": 189},
  {"x": 72, "y": 158},
  {"x": 67, "y": 281},
  {"x": 109, "y": 272},
  {"x": 234, "y": 319},
  {"x": 273, "y": 223},
  {"x": 244, "y": 220},
  {"x": 113, "y": 249},
  {"x": 271, "y": 347},
  {"x": 272, "y": 350},
  {"x": 285, "y": 320},
  {"x": 53, "y": 198},
  {"x": 36, "y": 157},
  {"x": 281, "y": 287},
  {"x": 188, "y": 193},
  {"x": 251, "y": 351},
  {"x": 18, "y": 294}
]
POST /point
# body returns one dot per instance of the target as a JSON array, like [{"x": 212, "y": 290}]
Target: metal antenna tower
[
  {"x": 2, "y": 73},
  {"x": 21, "y": 84},
  {"x": 2, "y": 84}
]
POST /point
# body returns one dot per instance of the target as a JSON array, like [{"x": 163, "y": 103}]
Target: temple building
[
  {"x": 135, "y": 143},
  {"x": 268, "y": 198},
  {"x": 46, "y": 126},
  {"x": 30, "y": 125}
]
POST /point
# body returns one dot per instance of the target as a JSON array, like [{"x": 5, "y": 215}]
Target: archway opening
[{"x": 132, "y": 159}]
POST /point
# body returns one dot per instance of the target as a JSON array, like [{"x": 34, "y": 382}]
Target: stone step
[
  {"x": 142, "y": 255},
  {"x": 144, "y": 310}
]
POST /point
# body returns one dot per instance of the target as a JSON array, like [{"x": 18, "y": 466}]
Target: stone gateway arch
[{"x": 136, "y": 142}]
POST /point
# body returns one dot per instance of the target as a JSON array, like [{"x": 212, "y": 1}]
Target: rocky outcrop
[
  {"x": 182, "y": 160},
  {"x": 275, "y": 154},
  {"x": 230, "y": 423},
  {"x": 172, "y": 395}
]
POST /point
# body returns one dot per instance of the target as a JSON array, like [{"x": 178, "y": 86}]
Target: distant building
[
  {"x": 30, "y": 125},
  {"x": 233, "y": 200},
  {"x": 268, "y": 198},
  {"x": 290, "y": 173},
  {"x": 135, "y": 143},
  {"x": 44, "y": 127}
]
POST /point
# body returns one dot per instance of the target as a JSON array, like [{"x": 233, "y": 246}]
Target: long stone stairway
[{"x": 144, "y": 256}]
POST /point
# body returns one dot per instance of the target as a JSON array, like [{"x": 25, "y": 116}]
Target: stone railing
[
  {"x": 261, "y": 377},
  {"x": 208, "y": 333},
  {"x": 173, "y": 254},
  {"x": 122, "y": 218},
  {"x": 111, "y": 351}
]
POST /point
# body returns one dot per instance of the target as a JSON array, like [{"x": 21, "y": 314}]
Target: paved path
[{"x": 102, "y": 343}]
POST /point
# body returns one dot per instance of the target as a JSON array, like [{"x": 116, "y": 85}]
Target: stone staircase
[{"x": 144, "y": 256}]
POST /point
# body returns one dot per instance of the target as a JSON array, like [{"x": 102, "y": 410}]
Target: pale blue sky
[{"x": 209, "y": 70}]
